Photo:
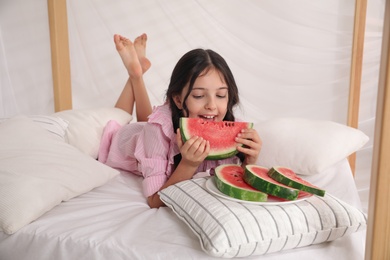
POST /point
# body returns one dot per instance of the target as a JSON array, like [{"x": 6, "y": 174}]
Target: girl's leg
[
  {"x": 142, "y": 102},
  {"x": 140, "y": 49},
  {"x": 134, "y": 92}
]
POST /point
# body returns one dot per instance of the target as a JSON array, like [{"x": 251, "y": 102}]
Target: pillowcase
[
  {"x": 38, "y": 171},
  {"x": 86, "y": 126},
  {"x": 232, "y": 229},
  {"x": 306, "y": 146},
  {"x": 55, "y": 125}
]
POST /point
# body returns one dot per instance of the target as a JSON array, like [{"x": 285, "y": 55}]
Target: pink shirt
[{"x": 147, "y": 149}]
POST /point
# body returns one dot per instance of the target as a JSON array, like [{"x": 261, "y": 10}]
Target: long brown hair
[{"x": 193, "y": 64}]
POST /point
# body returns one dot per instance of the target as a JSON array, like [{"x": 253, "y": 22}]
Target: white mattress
[{"x": 115, "y": 222}]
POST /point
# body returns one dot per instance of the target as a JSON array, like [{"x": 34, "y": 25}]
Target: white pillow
[
  {"x": 55, "y": 125},
  {"x": 38, "y": 171},
  {"x": 86, "y": 126},
  {"x": 231, "y": 229},
  {"x": 306, "y": 146}
]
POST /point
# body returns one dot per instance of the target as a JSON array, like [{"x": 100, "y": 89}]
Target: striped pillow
[{"x": 231, "y": 229}]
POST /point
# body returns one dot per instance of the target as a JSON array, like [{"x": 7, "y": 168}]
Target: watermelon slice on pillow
[
  {"x": 221, "y": 135},
  {"x": 257, "y": 177},
  {"x": 229, "y": 180},
  {"x": 288, "y": 177}
]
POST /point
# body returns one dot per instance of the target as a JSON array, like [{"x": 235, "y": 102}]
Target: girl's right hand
[{"x": 193, "y": 151}]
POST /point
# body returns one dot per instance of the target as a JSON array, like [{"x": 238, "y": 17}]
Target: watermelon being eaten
[
  {"x": 288, "y": 177},
  {"x": 221, "y": 135},
  {"x": 229, "y": 181},
  {"x": 257, "y": 177}
]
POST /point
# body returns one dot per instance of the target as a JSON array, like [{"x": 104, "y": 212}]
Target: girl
[{"x": 201, "y": 85}]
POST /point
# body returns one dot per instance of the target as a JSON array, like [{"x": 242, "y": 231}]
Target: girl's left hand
[{"x": 252, "y": 145}]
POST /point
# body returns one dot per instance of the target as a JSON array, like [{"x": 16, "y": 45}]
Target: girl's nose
[{"x": 211, "y": 105}]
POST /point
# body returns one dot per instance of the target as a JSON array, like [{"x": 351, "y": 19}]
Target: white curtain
[{"x": 290, "y": 58}]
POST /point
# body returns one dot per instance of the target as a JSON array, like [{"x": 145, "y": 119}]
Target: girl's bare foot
[
  {"x": 128, "y": 55},
  {"x": 140, "y": 48}
]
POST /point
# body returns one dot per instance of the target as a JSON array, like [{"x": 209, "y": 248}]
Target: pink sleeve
[{"x": 153, "y": 155}]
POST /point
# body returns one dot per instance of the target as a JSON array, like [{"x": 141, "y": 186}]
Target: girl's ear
[{"x": 177, "y": 100}]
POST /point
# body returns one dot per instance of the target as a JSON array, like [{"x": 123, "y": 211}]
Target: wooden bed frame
[{"x": 378, "y": 232}]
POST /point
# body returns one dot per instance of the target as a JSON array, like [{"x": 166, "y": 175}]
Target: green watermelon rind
[
  {"x": 237, "y": 192},
  {"x": 267, "y": 187},
  {"x": 221, "y": 155},
  {"x": 280, "y": 177},
  {"x": 227, "y": 153}
]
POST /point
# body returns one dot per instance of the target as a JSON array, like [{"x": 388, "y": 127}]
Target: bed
[{"x": 77, "y": 208}]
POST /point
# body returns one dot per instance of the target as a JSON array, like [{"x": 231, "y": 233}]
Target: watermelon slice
[
  {"x": 221, "y": 135},
  {"x": 288, "y": 177},
  {"x": 229, "y": 181},
  {"x": 257, "y": 177}
]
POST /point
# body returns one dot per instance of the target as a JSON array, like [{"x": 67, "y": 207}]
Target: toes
[
  {"x": 118, "y": 42},
  {"x": 137, "y": 39},
  {"x": 116, "y": 38},
  {"x": 125, "y": 40},
  {"x": 144, "y": 37}
]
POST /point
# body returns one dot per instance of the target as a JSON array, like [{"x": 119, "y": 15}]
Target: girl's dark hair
[{"x": 193, "y": 64}]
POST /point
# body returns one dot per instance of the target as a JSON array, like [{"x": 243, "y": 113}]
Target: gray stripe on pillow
[
  {"x": 334, "y": 214},
  {"x": 358, "y": 227},
  {"x": 269, "y": 246},
  {"x": 319, "y": 216},
  {"x": 333, "y": 211},
  {"x": 258, "y": 226},
  {"x": 257, "y": 222},
  {"x": 346, "y": 211},
  {"x": 291, "y": 224},
  {"x": 298, "y": 205},
  {"x": 229, "y": 209},
  {"x": 276, "y": 227},
  {"x": 276, "y": 224},
  {"x": 284, "y": 245},
  {"x": 195, "y": 181},
  {"x": 314, "y": 239},
  {"x": 189, "y": 217},
  {"x": 330, "y": 233},
  {"x": 299, "y": 242},
  {"x": 289, "y": 218}
]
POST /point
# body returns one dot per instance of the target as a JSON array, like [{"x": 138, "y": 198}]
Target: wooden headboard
[
  {"x": 378, "y": 233},
  {"x": 59, "y": 41}
]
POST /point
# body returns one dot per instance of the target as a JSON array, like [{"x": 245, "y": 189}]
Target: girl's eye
[
  {"x": 221, "y": 96},
  {"x": 197, "y": 96}
]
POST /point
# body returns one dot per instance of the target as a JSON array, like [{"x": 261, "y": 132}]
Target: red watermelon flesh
[
  {"x": 229, "y": 181},
  {"x": 288, "y": 177},
  {"x": 257, "y": 177},
  {"x": 262, "y": 172},
  {"x": 291, "y": 175},
  {"x": 234, "y": 175},
  {"x": 221, "y": 135}
]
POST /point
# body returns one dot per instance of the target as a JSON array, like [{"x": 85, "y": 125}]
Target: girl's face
[{"x": 208, "y": 99}]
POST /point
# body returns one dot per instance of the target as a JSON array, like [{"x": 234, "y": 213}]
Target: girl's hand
[
  {"x": 193, "y": 151},
  {"x": 252, "y": 145}
]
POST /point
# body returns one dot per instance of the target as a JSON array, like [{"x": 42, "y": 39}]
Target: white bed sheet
[{"x": 114, "y": 222}]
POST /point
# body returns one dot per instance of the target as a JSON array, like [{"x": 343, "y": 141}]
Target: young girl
[{"x": 201, "y": 86}]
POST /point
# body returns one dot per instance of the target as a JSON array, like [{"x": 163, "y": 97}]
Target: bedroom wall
[{"x": 290, "y": 58}]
